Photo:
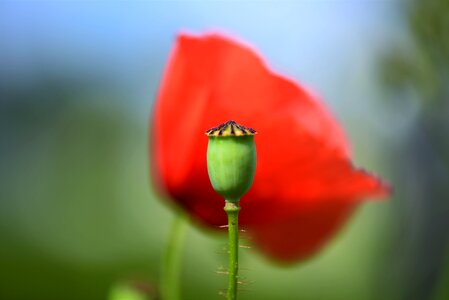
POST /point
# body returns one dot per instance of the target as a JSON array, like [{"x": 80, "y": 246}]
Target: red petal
[
  {"x": 303, "y": 158},
  {"x": 301, "y": 235}
]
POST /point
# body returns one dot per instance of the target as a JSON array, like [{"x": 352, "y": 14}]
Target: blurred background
[{"x": 78, "y": 218}]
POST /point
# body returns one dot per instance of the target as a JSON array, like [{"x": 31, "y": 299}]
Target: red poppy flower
[{"x": 305, "y": 186}]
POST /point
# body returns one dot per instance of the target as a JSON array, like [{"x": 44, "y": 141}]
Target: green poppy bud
[{"x": 231, "y": 159}]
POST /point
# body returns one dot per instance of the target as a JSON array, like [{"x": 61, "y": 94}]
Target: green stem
[
  {"x": 170, "y": 289},
  {"x": 232, "y": 209}
]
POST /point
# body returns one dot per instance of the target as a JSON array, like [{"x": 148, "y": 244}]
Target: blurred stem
[
  {"x": 232, "y": 209},
  {"x": 170, "y": 282}
]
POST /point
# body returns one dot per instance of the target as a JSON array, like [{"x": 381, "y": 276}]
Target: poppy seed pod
[{"x": 231, "y": 159}]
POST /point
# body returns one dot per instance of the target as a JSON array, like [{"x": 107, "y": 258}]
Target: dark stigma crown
[{"x": 230, "y": 128}]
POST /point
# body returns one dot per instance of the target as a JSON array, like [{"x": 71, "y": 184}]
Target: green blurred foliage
[
  {"x": 416, "y": 74},
  {"x": 75, "y": 197},
  {"x": 423, "y": 62}
]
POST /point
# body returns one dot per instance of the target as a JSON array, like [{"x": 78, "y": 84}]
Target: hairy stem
[{"x": 232, "y": 209}]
